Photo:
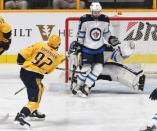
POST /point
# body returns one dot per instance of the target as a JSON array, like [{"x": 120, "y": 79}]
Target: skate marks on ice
[
  {"x": 4, "y": 118},
  {"x": 58, "y": 124},
  {"x": 102, "y": 110},
  {"x": 104, "y": 88},
  {"x": 7, "y": 123}
]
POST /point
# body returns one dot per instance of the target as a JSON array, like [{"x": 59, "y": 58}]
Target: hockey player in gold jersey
[
  {"x": 5, "y": 35},
  {"x": 36, "y": 60}
]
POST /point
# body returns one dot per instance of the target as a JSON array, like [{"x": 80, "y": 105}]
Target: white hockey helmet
[{"x": 95, "y": 6}]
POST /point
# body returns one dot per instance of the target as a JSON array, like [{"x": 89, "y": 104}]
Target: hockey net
[{"x": 142, "y": 30}]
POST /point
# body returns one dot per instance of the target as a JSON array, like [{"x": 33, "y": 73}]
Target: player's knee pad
[
  {"x": 98, "y": 68},
  {"x": 32, "y": 106}
]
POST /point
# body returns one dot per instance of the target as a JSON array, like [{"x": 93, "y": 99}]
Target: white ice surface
[{"x": 110, "y": 107}]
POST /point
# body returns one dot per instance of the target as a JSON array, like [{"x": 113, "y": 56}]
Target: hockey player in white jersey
[{"x": 93, "y": 30}]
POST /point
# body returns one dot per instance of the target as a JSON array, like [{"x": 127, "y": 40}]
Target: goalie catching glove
[
  {"x": 113, "y": 41},
  {"x": 127, "y": 49}
]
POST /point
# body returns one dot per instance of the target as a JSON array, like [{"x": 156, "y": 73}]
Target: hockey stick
[
  {"x": 63, "y": 69},
  {"x": 17, "y": 92},
  {"x": 74, "y": 71}
]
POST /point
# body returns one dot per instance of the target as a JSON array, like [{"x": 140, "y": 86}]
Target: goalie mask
[
  {"x": 95, "y": 8},
  {"x": 54, "y": 41}
]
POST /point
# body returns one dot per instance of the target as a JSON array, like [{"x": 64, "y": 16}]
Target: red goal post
[{"x": 130, "y": 22}]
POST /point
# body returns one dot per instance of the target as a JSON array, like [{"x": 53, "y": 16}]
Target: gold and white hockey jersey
[
  {"x": 5, "y": 35},
  {"x": 41, "y": 58}
]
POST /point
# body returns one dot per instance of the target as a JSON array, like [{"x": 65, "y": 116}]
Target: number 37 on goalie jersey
[{"x": 41, "y": 58}]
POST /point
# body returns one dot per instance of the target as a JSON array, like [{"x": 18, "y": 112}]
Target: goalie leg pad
[
  {"x": 82, "y": 77},
  {"x": 133, "y": 78},
  {"x": 93, "y": 75}
]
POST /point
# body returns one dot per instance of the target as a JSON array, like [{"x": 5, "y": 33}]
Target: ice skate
[
  {"x": 84, "y": 91},
  {"x": 20, "y": 120},
  {"x": 36, "y": 115},
  {"x": 75, "y": 89},
  {"x": 148, "y": 128}
]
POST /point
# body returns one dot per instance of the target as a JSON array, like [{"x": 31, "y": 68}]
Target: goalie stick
[
  {"x": 72, "y": 76},
  {"x": 63, "y": 69}
]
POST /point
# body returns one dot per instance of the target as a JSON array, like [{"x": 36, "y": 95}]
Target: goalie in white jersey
[{"x": 93, "y": 30}]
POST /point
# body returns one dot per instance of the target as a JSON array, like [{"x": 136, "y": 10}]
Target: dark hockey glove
[
  {"x": 4, "y": 45},
  {"x": 153, "y": 95},
  {"x": 113, "y": 41},
  {"x": 20, "y": 59},
  {"x": 74, "y": 47}
]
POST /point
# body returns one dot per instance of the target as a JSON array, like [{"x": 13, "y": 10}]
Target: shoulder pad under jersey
[{"x": 104, "y": 18}]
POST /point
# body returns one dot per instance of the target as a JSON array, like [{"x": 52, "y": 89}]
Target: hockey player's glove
[
  {"x": 5, "y": 45},
  {"x": 20, "y": 59},
  {"x": 113, "y": 41},
  {"x": 74, "y": 48},
  {"x": 153, "y": 95}
]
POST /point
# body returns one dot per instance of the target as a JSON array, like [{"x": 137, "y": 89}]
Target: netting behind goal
[{"x": 142, "y": 30}]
